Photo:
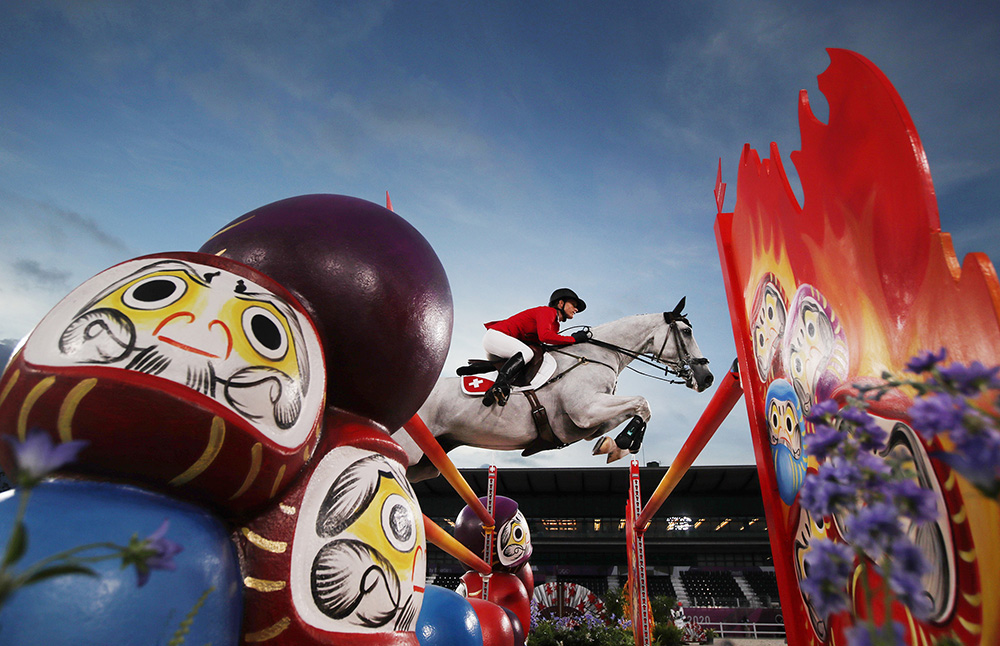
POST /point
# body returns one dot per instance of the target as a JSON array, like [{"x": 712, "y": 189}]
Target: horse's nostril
[{"x": 709, "y": 380}]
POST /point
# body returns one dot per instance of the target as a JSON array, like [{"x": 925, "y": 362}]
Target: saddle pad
[{"x": 477, "y": 385}]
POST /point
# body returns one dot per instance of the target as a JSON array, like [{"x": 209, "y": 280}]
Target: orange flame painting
[{"x": 835, "y": 291}]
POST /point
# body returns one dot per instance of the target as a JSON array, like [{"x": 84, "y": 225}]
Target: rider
[{"x": 509, "y": 338}]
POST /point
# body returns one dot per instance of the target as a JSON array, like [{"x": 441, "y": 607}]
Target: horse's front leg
[{"x": 603, "y": 412}]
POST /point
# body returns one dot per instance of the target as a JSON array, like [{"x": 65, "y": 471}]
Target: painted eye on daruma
[
  {"x": 155, "y": 292},
  {"x": 398, "y": 523},
  {"x": 265, "y": 333}
]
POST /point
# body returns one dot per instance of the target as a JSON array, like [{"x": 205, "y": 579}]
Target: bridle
[{"x": 681, "y": 367}]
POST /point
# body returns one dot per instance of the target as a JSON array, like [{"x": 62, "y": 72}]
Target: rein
[{"x": 680, "y": 368}]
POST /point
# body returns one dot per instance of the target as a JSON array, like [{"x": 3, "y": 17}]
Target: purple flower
[
  {"x": 925, "y": 361},
  {"x": 822, "y": 411},
  {"x": 855, "y": 416},
  {"x": 969, "y": 380},
  {"x": 156, "y": 552},
  {"x": 978, "y": 460},
  {"x": 829, "y": 488},
  {"x": 37, "y": 456},
  {"x": 907, "y": 566},
  {"x": 861, "y": 635},
  {"x": 822, "y": 443},
  {"x": 874, "y": 528},
  {"x": 913, "y": 501},
  {"x": 937, "y": 413},
  {"x": 870, "y": 474},
  {"x": 871, "y": 437},
  {"x": 827, "y": 565}
]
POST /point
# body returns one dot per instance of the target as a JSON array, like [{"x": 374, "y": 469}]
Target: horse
[{"x": 578, "y": 402}]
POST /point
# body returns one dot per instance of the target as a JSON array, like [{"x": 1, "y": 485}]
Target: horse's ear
[{"x": 680, "y": 306}]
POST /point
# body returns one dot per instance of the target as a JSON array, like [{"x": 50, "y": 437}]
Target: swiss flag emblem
[{"x": 475, "y": 384}]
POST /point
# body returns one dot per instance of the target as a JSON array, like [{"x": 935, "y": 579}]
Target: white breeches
[{"x": 499, "y": 345}]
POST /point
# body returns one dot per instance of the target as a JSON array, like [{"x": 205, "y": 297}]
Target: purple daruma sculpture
[{"x": 372, "y": 284}]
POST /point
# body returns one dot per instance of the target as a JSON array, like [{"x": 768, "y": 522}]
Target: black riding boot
[{"x": 499, "y": 392}]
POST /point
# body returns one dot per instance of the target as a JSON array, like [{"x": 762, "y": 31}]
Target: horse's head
[{"x": 678, "y": 349}]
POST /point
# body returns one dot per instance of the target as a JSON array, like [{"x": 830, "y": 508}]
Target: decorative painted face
[
  {"x": 200, "y": 326},
  {"x": 514, "y": 541},
  {"x": 768, "y": 323},
  {"x": 809, "y": 530},
  {"x": 934, "y": 539},
  {"x": 784, "y": 423},
  {"x": 359, "y": 553},
  {"x": 815, "y": 347}
]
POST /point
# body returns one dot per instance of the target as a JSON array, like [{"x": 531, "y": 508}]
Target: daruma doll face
[{"x": 185, "y": 371}]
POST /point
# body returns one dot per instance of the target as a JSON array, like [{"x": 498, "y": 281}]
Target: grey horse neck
[{"x": 633, "y": 333}]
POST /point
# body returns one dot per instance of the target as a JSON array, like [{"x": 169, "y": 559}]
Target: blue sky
[{"x": 534, "y": 144}]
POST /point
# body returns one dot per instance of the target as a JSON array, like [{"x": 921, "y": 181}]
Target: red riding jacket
[{"x": 535, "y": 325}]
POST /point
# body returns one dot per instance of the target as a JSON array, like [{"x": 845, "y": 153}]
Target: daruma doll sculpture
[
  {"x": 184, "y": 371},
  {"x": 512, "y": 582},
  {"x": 202, "y": 378}
]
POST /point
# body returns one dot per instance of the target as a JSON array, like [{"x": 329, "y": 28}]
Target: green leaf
[
  {"x": 59, "y": 570},
  {"x": 17, "y": 545}
]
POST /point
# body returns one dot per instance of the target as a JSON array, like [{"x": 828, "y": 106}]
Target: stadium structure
[{"x": 707, "y": 546}]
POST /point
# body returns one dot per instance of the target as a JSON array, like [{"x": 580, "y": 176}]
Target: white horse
[{"x": 579, "y": 400}]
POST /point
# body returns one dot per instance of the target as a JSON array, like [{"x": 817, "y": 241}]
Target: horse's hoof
[
  {"x": 489, "y": 398},
  {"x": 603, "y": 446},
  {"x": 616, "y": 454}
]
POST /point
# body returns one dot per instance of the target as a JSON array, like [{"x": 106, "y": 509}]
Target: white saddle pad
[{"x": 477, "y": 385}]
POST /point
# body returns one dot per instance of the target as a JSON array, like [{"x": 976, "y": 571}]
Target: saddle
[
  {"x": 485, "y": 366},
  {"x": 539, "y": 369}
]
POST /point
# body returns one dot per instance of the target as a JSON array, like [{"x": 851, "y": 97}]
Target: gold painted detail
[
  {"x": 255, "y": 453},
  {"x": 287, "y": 509},
  {"x": 231, "y": 226},
  {"x": 29, "y": 402},
  {"x": 949, "y": 484},
  {"x": 959, "y": 518},
  {"x": 68, "y": 408},
  {"x": 270, "y": 632},
  {"x": 973, "y": 599},
  {"x": 9, "y": 386},
  {"x": 216, "y": 436},
  {"x": 277, "y": 481},
  {"x": 278, "y": 547},
  {"x": 263, "y": 585},
  {"x": 973, "y": 628},
  {"x": 968, "y": 556}
]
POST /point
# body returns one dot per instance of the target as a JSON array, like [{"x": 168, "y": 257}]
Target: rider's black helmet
[{"x": 566, "y": 294}]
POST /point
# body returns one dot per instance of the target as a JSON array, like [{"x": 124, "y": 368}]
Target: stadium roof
[
  {"x": 712, "y": 510},
  {"x": 602, "y": 491}
]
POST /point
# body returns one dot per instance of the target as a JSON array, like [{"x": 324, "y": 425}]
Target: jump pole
[
  {"x": 725, "y": 397},
  {"x": 438, "y": 536},
  {"x": 490, "y": 533},
  {"x": 423, "y": 438},
  {"x": 642, "y": 625}
]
